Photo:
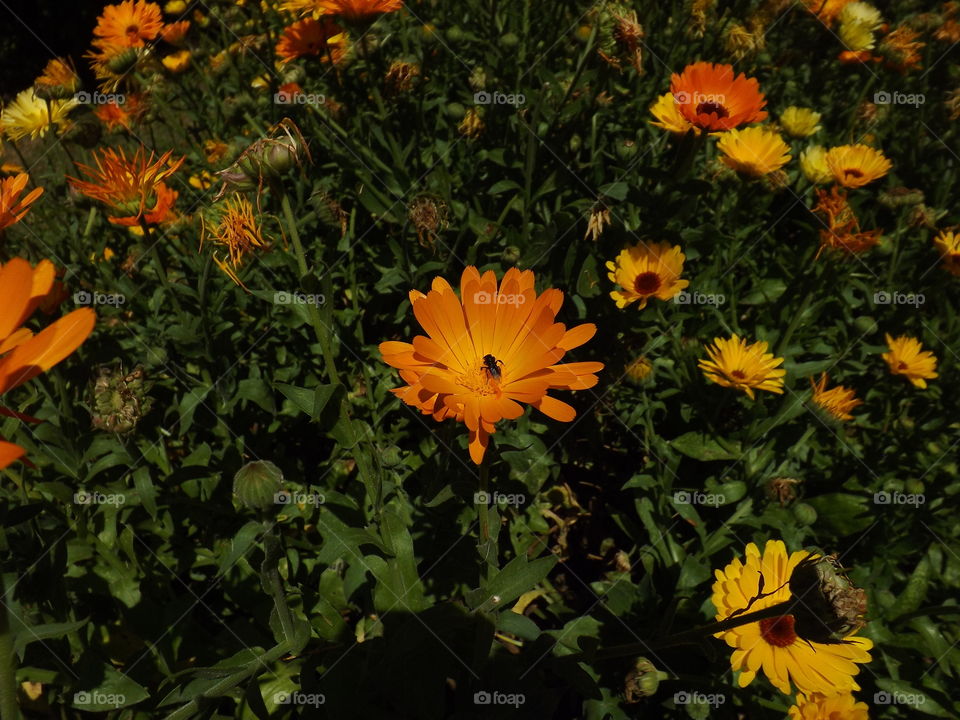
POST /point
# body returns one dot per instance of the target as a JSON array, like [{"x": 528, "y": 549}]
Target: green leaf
[
  {"x": 511, "y": 582},
  {"x": 701, "y": 446},
  {"x": 517, "y": 624},
  {"x": 765, "y": 290},
  {"x": 24, "y": 635},
  {"x": 116, "y": 691}
]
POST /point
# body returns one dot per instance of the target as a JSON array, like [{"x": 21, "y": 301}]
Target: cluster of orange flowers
[{"x": 318, "y": 34}]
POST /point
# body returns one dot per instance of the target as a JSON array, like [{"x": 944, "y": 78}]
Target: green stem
[
  {"x": 161, "y": 268},
  {"x": 321, "y": 330},
  {"x": 484, "y": 492},
  {"x": 8, "y": 669},
  {"x": 273, "y": 552},
  {"x": 692, "y": 636}
]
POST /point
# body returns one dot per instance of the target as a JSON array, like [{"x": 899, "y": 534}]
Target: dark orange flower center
[
  {"x": 647, "y": 283},
  {"x": 133, "y": 30},
  {"x": 853, "y": 172},
  {"x": 778, "y": 631},
  {"x": 706, "y": 108},
  {"x": 739, "y": 374},
  {"x": 901, "y": 365}
]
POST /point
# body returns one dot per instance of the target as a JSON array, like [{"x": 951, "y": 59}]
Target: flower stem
[
  {"x": 161, "y": 268},
  {"x": 8, "y": 659},
  {"x": 691, "y": 636},
  {"x": 321, "y": 330}
]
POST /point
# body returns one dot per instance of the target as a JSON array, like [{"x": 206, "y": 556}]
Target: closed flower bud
[
  {"x": 123, "y": 62},
  {"x": 627, "y": 149},
  {"x": 805, "y": 514},
  {"x": 478, "y": 78},
  {"x": 511, "y": 255},
  {"x": 257, "y": 483},
  {"x": 642, "y": 681}
]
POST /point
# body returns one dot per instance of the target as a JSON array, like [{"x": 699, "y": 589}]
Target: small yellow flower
[
  {"x": 837, "y": 401},
  {"x": 175, "y": 7},
  {"x": 735, "y": 364},
  {"x": 235, "y": 227},
  {"x": 639, "y": 370},
  {"x": 472, "y": 124},
  {"x": 948, "y": 245},
  {"x": 813, "y": 164},
  {"x": 906, "y": 358},
  {"x": 666, "y": 111},
  {"x": 30, "y": 115},
  {"x": 863, "y": 13},
  {"x": 817, "y": 706},
  {"x": 798, "y": 122},
  {"x": 753, "y": 151},
  {"x": 177, "y": 62},
  {"x": 645, "y": 271},
  {"x": 856, "y": 36},
  {"x": 857, "y": 165}
]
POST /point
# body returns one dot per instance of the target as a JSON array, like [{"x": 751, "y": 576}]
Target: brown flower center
[
  {"x": 902, "y": 365},
  {"x": 778, "y": 631},
  {"x": 647, "y": 283},
  {"x": 739, "y": 374},
  {"x": 133, "y": 30},
  {"x": 706, "y": 108},
  {"x": 853, "y": 172}
]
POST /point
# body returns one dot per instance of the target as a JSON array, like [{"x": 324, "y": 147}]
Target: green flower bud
[
  {"x": 642, "y": 681},
  {"x": 511, "y": 255},
  {"x": 865, "y": 325},
  {"x": 257, "y": 483},
  {"x": 805, "y": 514}
]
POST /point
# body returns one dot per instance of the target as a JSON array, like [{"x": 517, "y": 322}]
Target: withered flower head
[
  {"x": 829, "y": 606},
  {"x": 119, "y": 400},
  {"x": 400, "y": 77},
  {"x": 428, "y": 214},
  {"x": 266, "y": 160},
  {"x": 782, "y": 489}
]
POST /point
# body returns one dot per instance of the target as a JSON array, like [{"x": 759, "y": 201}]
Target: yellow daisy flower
[
  {"x": 753, "y": 151},
  {"x": 666, "y": 111},
  {"x": 30, "y": 115},
  {"x": 856, "y": 165},
  {"x": 645, "y": 271},
  {"x": 817, "y": 706},
  {"x": 906, "y": 358},
  {"x": 735, "y": 364},
  {"x": 948, "y": 245},
  {"x": 856, "y": 36},
  {"x": 813, "y": 164},
  {"x": 177, "y": 62},
  {"x": 863, "y": 13},
  {"x": 798, "y": 122},
  {"x": 772, "y": 645},
  {"x": 837, "y": 401}
]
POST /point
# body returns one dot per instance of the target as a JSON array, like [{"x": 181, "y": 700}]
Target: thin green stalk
[
  {"x": 483, "y": 493},
  {"x": 161, "y": 268},
  {"x": 322, "y": 332},
  {"x": 273, "y": 553},
  {"x": 8, "y": 659}
]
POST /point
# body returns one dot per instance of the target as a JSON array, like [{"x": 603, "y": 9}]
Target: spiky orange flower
[
  {"x": 24, "y": 355},
  {"x": 114, "y": 115},
  {"x": 12, "y": 206},
  {"x": 843, "y": 229},
  {"x": 827, "y": 10},
  {"x": 234, "y": 227},
  {"x": 487, "y": 351},
  {"x": 711, "y": 98},
  {"x": 174, "y": 32},
  {"x": 58, "y": 80},
  {"x": 132, "y": 187},
  {"x": 129, "y": 24},
  {"x": 312, "y": 37},
  {"x": 838, "y": 401},
  {"x": 901, "y": 49},
  {"x": 351, "y": 11}
]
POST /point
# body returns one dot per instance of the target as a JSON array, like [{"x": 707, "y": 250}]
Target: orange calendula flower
[
  {"x": 129, "y": 24},
  {"x": 234, "y": 227},
  {"x": 818, "y": 706},
  {"x": 487, "y": 351},
  {"x": 735, "y": 364},
  {"x": 12, "y": 206},
  {"x": 901, "y": 49},
  {"x": 312, "y": 37},
  {"x": 838, "y": 401},
  {"x": 58, "y": 80},
  {"x": 843, "y": 232},
  {"x": 645, "y": 271},
  {"x": 827, "y": 10},
  {"x": 772, "y": 645},
  {"x": 711, "y": 98},
  {"x": 947, "y": 244},
  {"x": 24, "y": 355},
  {"x": 854, "y": 166},
  {"x": 352, "y": 11},
  {"x": 132, "y": 187},
  {"x": 116, "y": 115},
  {"x": 907, "y": 358},
  {"x": 174, "y": 32}
]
